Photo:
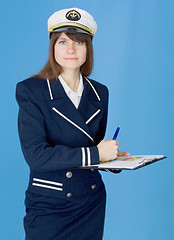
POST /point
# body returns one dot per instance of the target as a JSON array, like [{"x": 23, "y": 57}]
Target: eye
[
  {"x": 62, "y": 42},
  {"x": 79, "y": 43}
]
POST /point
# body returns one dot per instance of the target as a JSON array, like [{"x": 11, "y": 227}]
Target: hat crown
[{"x": 72, "y": 16}]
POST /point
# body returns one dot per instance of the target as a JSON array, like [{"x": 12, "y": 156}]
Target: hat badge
[{"x": 73, "y": 15}]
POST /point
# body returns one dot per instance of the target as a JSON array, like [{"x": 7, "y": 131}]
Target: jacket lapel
[
  {"x": 90, "y": 106},
  {"x": 79, "y": 118}
]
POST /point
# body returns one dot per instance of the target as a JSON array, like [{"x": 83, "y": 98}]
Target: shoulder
[
  {"x": 31, "y": 88},
  {"x": 32, "y": 85}
]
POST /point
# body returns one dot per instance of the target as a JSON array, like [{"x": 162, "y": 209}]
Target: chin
[{"x": 71, "y": 66}]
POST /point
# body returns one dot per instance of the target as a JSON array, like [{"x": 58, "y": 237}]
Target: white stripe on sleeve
[
  {"x": 89, "y": 156},
  {"x": 83, "y": 157}
]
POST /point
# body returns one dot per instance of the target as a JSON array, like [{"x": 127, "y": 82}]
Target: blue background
[{"x": 134, "y": 54}]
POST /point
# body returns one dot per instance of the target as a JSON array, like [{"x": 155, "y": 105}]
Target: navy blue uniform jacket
[{"x": 56, "y": 138}]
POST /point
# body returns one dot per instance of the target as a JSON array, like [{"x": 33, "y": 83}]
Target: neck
[{"x": 72, "y": 78}]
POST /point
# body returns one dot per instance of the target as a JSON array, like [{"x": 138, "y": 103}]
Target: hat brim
[{"x": 70, "y": 30}]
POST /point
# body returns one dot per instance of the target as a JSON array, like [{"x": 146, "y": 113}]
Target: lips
[{"x": 70, "y": 58}]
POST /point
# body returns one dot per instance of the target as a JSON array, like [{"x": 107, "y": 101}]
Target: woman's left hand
[
  {"x": 119, "y": 154},
  {"x": 123, "y": 154}
]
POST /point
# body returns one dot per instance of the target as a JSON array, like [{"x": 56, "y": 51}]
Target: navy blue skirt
[{"x": 50, "y": 218}]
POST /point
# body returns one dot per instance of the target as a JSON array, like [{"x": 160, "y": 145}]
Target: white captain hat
[{"x": 73, "y": 20}]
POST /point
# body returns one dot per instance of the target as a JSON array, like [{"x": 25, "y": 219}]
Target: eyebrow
[{"x": 62, "y": 38}]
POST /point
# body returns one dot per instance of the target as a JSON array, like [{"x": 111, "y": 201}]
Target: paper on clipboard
[{"x": 129, "y": 163}]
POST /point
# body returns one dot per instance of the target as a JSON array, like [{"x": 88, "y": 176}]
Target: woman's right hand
[{"x": 108, "y": 150}]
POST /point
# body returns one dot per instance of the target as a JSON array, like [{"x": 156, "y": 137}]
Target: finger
[
  {"x": 116, "y": 142},
  {"x": 116, "y": 154},
  {"x": 125, "y": 154}
]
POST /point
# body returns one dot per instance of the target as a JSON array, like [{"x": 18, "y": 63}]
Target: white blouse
[{"x": 74, "y": 96}]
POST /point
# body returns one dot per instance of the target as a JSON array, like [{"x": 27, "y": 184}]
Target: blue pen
[{"x": 116, "y": 133}]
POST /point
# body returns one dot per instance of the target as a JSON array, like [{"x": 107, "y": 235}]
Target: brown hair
[{"x": 52, "y": 69}]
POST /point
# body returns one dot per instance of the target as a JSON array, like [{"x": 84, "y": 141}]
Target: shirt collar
[{"x": 69, "y": 90}]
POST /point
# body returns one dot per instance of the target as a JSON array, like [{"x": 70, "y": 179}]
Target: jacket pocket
[{"x": 37, "y": 182}]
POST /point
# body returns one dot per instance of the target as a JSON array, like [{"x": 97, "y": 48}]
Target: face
[{"x": 68, "y": 53}]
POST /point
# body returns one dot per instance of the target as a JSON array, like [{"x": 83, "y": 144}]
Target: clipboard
[{"x": 128, "y": 163}]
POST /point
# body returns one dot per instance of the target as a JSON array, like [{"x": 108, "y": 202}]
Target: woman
[{"x": 62, "y": 121}]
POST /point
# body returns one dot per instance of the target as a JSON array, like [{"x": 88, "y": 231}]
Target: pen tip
[{"x": 119, "y": 126}]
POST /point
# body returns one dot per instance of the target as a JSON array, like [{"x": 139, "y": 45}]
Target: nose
[{"x": 71, "y": 48}]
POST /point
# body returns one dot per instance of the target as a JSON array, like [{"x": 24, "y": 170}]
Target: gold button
[
  {"x": 92, "y": 169},
  {"x": 69, "y": 195},
  {"x": 69, "y": 174},
  {"x": 93, "y": 187}
]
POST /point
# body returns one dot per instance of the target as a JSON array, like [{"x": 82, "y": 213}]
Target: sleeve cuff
[{"x": 90, "y": 156}]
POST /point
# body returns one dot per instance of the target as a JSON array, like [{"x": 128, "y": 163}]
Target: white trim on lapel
[
  {"x": 93, "y": 116},
  {"x": 93, "y": 89},
  {"x": 49, "y": 88},
  {"x": 51, "y": 95},
  {"x": 62, "y": 115}
]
